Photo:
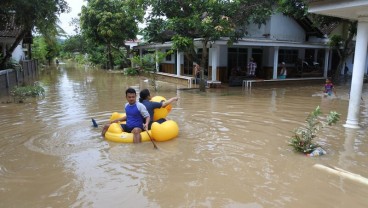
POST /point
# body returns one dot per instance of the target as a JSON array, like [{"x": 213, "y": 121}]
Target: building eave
[
  {"x": 346, "y": 9},
  {"x": 247, "y": 42}
]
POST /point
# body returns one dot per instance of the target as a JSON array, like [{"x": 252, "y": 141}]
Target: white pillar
[
  {"x": 358, "y": 75},
  {"x": 156, "y": 57},
  {"x": 178, "y": 63},
  {"x": 214, "y": 63},
  {"x": 249, "y": 54},
  {"x": 275, "y": 61},
  {"x": 327, "y": 60}
]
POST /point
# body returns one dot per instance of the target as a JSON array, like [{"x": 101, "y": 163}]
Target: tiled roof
[
  {"x": 8, "y": 27},
  {"x": 327, "y": 29}
]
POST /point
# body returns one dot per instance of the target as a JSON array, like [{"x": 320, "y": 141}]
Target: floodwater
[{"x": 232, "y": 149}]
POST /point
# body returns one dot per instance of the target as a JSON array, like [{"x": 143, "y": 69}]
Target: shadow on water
[{"x": 231, "y": 151}]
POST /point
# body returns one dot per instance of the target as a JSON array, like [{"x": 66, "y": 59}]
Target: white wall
[
  {"x": 286, "y": 28},
  {"x": 258, "y": 31},
  {"x": 18, "y": 53},
  {"x": 163, "y": 50}
]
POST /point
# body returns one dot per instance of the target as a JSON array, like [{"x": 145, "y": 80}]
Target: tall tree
[
  {"x": 342, "y": 43},
  {"x": 40, "y": 16},
  {"x": 189, "y": 21},
  {"x": 111, "y": 23}
]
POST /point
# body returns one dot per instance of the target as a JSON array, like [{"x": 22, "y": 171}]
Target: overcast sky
[{"x": 75, "y": 7}]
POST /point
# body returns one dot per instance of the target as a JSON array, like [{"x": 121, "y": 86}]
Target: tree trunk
[
  {"x": 339, "y": 68},
  {"x": 202, "y": 83},
  {"x": 9, "y": 52},
  {"x": 110, "y": 59}
]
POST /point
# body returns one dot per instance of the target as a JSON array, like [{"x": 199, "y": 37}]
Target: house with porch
[
  {"x": 8, "y": 35},
  {"x": 301, "y": 46}
]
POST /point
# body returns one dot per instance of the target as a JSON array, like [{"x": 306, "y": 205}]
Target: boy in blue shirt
[{"x": 136, "y": 114}]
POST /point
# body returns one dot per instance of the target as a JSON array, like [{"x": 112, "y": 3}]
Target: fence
[{"x": 25, "y": 73}]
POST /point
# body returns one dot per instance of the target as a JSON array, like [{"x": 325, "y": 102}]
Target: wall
[
  {"x": 10, "y": 78},
  {"x": 257, "y": 31},
  {"x": 285, "y": 28},
  {"x": 18, "y": 53}
]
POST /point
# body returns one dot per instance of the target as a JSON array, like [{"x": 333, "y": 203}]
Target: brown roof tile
[{"x": 8, "y": 28}]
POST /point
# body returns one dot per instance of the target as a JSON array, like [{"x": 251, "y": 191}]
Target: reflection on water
[{"x": 231, "y": 150}]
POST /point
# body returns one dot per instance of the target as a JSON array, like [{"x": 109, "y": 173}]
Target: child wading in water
[{"x": 329, "y": 88}]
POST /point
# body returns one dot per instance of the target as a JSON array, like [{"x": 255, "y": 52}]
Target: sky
[
  {"x": 75, "y": 9},
  {"x": 66, "y": 18}
]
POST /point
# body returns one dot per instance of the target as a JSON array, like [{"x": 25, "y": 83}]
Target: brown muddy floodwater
[{"x": 231, "y": 150}]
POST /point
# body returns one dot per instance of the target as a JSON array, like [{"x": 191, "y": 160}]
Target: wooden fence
[{"x": 25, "y": 73}]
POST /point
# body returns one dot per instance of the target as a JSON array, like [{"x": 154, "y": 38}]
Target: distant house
[
  {"x": 132, "y": 43},
  {"x": 301, "y": 46},
  {"x": 8, "y": 34}
]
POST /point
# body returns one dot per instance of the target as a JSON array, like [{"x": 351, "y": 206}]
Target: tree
[
  {"x": 40, "y": 16},
  {"x": 147, "y": 64},
  {"x": 39, "y": 48},
  {"x": 111, "y": 23},
  {"x": 188, "y": 21},
  {"x": 342, "y": 43},
  {"x": 75, "y": 43}
]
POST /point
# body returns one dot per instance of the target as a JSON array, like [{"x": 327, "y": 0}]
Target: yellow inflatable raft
[{"x": 159, "y": 132}]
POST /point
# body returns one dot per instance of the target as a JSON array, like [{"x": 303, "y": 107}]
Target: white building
[{"x": 281, "y": 39}]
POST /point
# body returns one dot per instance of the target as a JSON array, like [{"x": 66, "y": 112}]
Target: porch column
[
  {"x": 156, "y": 57},
  {"x": 249, "y": 54},
  {"x": 275, "y": 61},
  {"x": 214, "y": 63},
  {"x": 327, "y": 60},
  {"x": 358, "y": 75},
  {"x": 178, "y": 63}
]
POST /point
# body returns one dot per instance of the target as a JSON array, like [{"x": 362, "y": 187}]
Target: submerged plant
[
  {"x": 302, "y": 141},
  {"x": 21, "y": 93}
]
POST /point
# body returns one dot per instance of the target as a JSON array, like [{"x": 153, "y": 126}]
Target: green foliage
[
  {"x": 131, "y": 71},
  {"x": 21, "y": 93},
  {"x": 147, "y": 64},
  {"x": 39, "y": 49},
  {"x": 45, "y": 49},
  {"x": 302, "y": 141},
  {"x": 187, "y": 22},
  {"x": 13, "y": 64},
  {"x": 294, "y": 8},
  {"x": 110, "y": 23},
  {"x": 39, "y": 16},
  {"x": 75, "y": 43}
]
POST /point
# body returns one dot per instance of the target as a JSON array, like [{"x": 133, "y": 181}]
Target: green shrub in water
[
  {"x": 21, "y": 93},
  {"x": 302, "y": 141}
]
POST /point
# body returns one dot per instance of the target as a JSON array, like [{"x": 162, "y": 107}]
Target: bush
[
  {"x": 302, "y": 141},
  {"x": 21, "y": 93}
]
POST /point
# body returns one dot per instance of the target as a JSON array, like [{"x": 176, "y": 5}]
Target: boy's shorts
[{"x": 128, "y": 129}]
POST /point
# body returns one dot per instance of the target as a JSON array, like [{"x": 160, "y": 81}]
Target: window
[
  {"x": 169, "y": 56},
  {"x": 237, "y": 58}
]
